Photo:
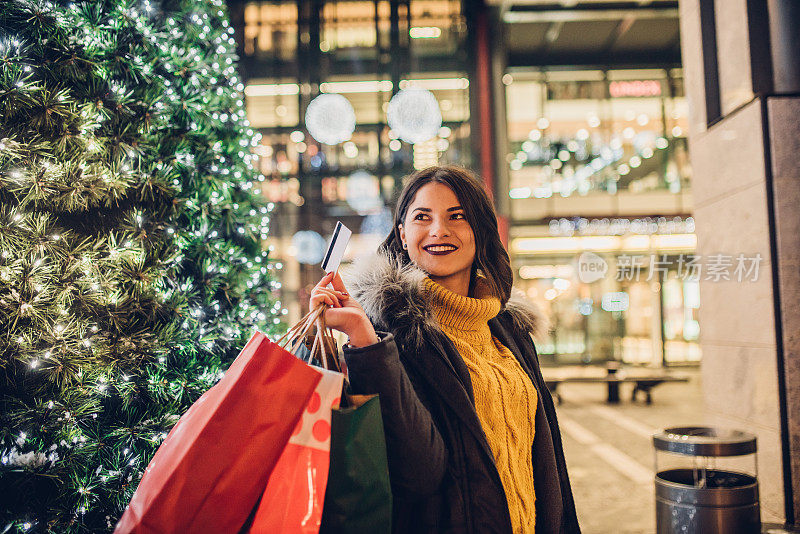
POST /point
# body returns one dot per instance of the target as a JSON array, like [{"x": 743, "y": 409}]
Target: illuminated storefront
[
  {"x": 643, "y": 309},
  {"x": 580, "y": 158},
  {"x": 364, "y": 52},
  {"x": 598, "y": 163}
]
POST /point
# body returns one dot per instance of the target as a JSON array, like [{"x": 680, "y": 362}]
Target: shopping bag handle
[
  {"x": 322, "y": 334},
  {"x": 292, "y": 339},
  {"x": 301, "y": 328}
]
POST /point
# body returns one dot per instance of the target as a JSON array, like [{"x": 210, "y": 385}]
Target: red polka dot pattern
[
  {"x": 322, "y": 430},
  {"x": 314, "y": 403}
]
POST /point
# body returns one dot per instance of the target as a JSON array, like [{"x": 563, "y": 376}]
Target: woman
[{"x": 471, "y": 433}]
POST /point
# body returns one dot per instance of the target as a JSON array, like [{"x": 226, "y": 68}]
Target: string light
[{"x": 220, "y": 66}]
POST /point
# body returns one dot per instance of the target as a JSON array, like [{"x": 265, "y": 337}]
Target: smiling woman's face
[{"x": 439, "y": 238}]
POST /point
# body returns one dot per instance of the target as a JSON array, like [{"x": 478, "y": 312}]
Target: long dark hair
[{"x": 491, "y": 258}]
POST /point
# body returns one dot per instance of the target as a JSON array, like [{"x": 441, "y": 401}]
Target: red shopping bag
[
  {"x": 213, "y": 466},
  {"x": 292, "y": 502}
]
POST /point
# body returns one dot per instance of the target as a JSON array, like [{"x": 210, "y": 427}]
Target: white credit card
[{"x": 336, "y": 248}]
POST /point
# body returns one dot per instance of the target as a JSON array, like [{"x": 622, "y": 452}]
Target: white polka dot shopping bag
[
  {"x": 295, "y": 493},
  {"x": 292, "y": 502}
]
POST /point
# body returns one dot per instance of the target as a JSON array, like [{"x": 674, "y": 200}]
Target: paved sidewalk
[{"x": 610, "y": 454}]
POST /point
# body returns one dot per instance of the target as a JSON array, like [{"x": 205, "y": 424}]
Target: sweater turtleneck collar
[{"x": 466, "y": 316}]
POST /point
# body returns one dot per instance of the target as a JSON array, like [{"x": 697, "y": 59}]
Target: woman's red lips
[{"x": 440, "y": 249}]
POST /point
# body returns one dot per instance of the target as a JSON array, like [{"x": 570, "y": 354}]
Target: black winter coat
[{"x": 442, "y": 470}]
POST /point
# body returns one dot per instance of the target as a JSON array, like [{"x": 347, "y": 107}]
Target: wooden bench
[{"x": 644, "y": 383}]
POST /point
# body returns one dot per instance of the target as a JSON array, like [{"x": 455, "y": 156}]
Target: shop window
[
  {"x": 576, "y": 133},
  {"x": 270, "y": 29}
]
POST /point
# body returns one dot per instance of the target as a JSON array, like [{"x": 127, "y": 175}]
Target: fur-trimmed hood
[{"x": 394, "y": 298}]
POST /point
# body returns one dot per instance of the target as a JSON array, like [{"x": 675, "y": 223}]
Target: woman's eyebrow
[{"x": 454, "y": 208}]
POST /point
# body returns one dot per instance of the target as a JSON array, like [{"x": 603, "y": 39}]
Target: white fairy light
[
  {"x": 414, "y": 115},
  {"x": 330, "y": 119}
]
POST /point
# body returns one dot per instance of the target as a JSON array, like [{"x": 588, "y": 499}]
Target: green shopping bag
[{"x": 358, "y": 498}]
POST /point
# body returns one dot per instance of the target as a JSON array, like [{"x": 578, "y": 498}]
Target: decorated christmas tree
[{"x": 131, "y": 264}]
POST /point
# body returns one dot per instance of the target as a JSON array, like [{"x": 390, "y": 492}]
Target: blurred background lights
[
  {"x": 520, "y": 192},
  {"x": 615, "y": 301},
  {"x": 330, "y": 119},
  {"x": 350, "y": 149},
  {"x": 562, "y": 284},
  {"x": 585, "y": 306},
  {"x": 425, "y": 32},
  {"x": 363, "y": 192},
  {"x": 379, "y": 223},
  {"x": 414, "y": 115},
  {"x": 309, "y": 247}
]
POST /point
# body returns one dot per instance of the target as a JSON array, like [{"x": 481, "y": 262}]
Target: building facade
[
  {"x": 581, "y": 151},
  {"x": 642, "y": 158},
  {"x": 742, "y": 68}
]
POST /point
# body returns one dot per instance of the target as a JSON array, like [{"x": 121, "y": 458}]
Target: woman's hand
[{"x": 344, "y": 313}]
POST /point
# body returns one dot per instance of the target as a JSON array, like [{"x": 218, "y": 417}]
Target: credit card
[{"x": 336, "y": 248}]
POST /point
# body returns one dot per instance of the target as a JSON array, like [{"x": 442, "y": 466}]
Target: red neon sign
[{"x": 634, "y": 88}]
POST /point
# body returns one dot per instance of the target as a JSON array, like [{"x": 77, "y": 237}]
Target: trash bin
[{"x": 706, "y": 481}]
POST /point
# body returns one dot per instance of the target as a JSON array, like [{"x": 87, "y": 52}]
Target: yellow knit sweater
[{"x": 505, "y": 397}]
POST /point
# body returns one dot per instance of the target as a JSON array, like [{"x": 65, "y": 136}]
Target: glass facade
[
  {"x": 579, "y": 132},
  {"x": 598, "y": 163},
  {"x": 365, "y": 51}
]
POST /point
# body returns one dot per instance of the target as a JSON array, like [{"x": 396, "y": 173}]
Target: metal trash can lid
[{"x": 705, "y": 441}]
